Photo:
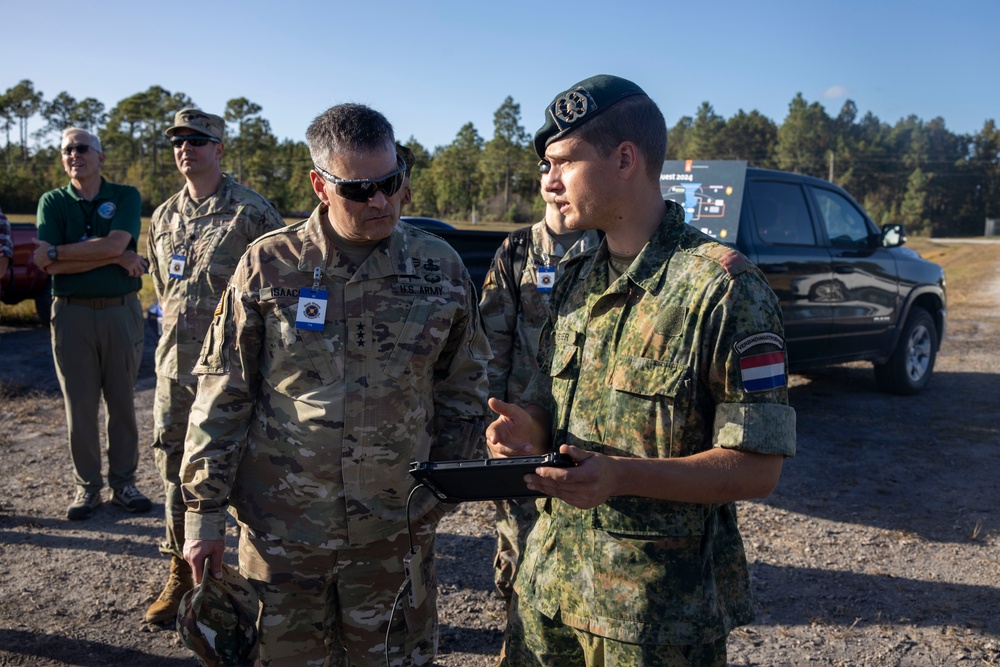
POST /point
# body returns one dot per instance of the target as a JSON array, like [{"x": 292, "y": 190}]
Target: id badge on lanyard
[
  {"x": 311, "y": 313},
  {"x": 177, "y": 262},
  {"x": 546, "y": 278}
]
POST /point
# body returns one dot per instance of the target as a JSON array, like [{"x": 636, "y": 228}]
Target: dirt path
[{"x": 881, "y": 545}]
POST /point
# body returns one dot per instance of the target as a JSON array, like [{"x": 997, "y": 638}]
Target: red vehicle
[{"x": 23, "y": 279}]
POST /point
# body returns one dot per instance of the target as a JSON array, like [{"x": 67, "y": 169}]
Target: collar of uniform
[
  {"x": 316, "y": 248},
  {"x": 541, "y": 237},
  {"x": 103, "y": 193},
  {"x": 650, "y": 266},
  {"x": 216, "y": 202},
  {"x": 388, "y": 258}
]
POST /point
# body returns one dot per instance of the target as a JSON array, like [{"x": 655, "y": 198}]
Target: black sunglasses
[
  {"x": 81, "y": 149},
  {"x": 363, "y": 189},
  {"x": 196, "y": 140}
]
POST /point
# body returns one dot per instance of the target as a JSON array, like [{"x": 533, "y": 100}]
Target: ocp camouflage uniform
[
  {"x": 307, "y": 435},
  {"x": 213, "y": 235},
  {"x": 512, "y": 325},
  {"x": 651, "y": 367}
]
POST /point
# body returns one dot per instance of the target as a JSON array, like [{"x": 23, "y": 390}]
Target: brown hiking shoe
[{"x": 164, "y": 608}]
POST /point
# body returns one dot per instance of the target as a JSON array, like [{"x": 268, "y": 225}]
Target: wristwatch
[{"x": 53, "y": 253}]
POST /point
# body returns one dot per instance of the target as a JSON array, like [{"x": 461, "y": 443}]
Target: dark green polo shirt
[{"x": 64, "y": 217}]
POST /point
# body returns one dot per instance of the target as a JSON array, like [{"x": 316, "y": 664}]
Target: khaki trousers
[{"x": 97, "y": 352}]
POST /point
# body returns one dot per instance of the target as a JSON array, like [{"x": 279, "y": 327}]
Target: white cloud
[{"x": 834, "y": 92}]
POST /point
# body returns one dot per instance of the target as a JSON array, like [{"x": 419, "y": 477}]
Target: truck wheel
[
  {"x": 909, "y": 368},
  {"x": 43, "y": 302}
]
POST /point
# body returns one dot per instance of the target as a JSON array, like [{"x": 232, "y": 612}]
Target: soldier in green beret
[
  {"x": 662, "y": 374},
  {"x": 345, "y": 346},
  {"x": 195, "y": 239}
]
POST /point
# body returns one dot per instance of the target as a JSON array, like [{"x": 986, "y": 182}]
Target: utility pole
[{"x": 830, "y": 178}]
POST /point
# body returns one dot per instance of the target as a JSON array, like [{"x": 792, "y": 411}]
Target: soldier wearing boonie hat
[
  {"x": 199, "y": 121},
  {"x": 655, "y": 394},
  {"x": 195, "y": 240}
]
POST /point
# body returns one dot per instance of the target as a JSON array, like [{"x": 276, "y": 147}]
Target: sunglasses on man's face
[
  {"x": 363, "y": 189},
  {"x": 80, "y": 149},
  {"x": 196, "y": 140}
]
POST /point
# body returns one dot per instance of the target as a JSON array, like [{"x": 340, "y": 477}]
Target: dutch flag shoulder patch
[{"x": 761, "y": 372}]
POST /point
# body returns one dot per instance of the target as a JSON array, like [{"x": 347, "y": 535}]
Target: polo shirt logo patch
[
  {"x": 107, "y": 210},
  {"x": 763, "y": 371}
]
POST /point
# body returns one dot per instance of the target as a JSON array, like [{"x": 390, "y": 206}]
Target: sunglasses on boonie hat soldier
[
  {"x": 196, "y": 140},
  {"x": 363, "y": 189}
]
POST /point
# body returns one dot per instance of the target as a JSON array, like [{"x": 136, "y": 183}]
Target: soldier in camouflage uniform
[
  {"x": 345, "y": 346},
  {"x": 195, "y": 240},
  {"x": 514, "y": 306},
  {"x": 662, "y": 374}
]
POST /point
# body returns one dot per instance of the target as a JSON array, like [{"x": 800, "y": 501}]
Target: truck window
[
  {"x": 845, "y": 226},
  {"x": 781, "y": 213}
]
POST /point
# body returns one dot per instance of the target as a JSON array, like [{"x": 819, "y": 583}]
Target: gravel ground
[{"x": 879, "y": 547}]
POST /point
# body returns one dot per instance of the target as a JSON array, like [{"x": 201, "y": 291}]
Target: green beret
[{"x": 580, "y": 103}]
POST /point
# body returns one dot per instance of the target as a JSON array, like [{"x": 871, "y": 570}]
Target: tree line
[{"x": 916, "y": 172}]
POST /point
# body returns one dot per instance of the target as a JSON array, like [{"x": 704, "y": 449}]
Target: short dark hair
[
  {"x": 403, "y": 151},
  {"x": 635, "y": 118},
  {"x": 348, "y": 127}
]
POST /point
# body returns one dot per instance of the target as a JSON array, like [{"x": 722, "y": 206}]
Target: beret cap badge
[{"x": 572, "y": 106}]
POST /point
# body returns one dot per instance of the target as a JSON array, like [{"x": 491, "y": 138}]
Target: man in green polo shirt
[{"x": 87, "y": 235}]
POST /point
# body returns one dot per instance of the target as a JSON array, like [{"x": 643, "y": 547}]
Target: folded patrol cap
[
  {"x": 217, "y": 619},
  {"x": 199, "y": 121},
  {"x": 583, "y": 101}
]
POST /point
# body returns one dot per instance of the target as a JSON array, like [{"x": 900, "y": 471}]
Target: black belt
[{"x": 103, "y": 302}]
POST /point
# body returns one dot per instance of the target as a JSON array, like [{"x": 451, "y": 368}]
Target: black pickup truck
[{"x": 849, "y": 290}]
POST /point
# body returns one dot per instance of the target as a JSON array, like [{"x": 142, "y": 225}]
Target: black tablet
[{"x": 483, "y": 479}]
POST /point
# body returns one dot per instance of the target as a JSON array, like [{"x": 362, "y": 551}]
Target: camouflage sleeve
[
  {"x": 228, "y": 383},
  {"x": 539, "y": 389},
  {"x": 460, "y": 386},
  {"x": 499, "y": 314},
  {"x": 270, "y": 220},
  {"x": 748, "y": 370},
  {"x": 156, "y": 263}
]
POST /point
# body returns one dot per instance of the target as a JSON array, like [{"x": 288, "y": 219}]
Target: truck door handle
[
  {"x": 843, "y": 268},
  {"x": 774, "y": 268}
]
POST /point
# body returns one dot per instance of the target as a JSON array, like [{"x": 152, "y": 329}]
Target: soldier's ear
[
  {"x": 319, "y": 186},
  {"x": 628, "y": 159}
]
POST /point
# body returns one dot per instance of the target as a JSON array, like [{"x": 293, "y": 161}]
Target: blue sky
[{"x": 431, "y": 67}]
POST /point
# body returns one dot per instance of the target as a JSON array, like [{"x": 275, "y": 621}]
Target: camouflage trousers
[
  {"x": 171, "y": 408},
  {"x": 333, "y": 606},
  {"x": 532, "y": 639},
  {"x": 514, "y": 519}
]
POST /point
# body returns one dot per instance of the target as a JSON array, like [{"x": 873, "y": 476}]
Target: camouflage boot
[{"x": 164, "y": 608}]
